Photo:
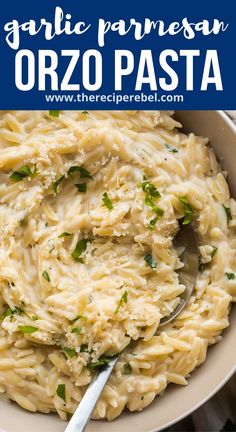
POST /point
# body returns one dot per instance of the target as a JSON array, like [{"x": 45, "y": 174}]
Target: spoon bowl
[{"x": 187, "y": 238}]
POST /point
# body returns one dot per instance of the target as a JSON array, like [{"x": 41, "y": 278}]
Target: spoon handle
[{"x": 85, "y": 409}]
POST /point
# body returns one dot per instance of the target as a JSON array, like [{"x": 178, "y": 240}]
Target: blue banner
[{"x": 69, "y": 54}]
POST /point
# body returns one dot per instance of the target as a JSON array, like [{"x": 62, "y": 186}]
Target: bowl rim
[{"x": 200, "y": 403}]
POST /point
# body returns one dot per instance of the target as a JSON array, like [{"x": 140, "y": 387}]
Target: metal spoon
[{"x": 186, "y": 237}]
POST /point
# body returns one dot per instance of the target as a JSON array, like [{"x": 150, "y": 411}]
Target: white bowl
[{"x": 177, "y": 401}]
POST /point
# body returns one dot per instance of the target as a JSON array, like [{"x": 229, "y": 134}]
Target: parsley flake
[
  {"x": 152, "y": 194},
  {"x": 11, "y": 312},
  {"x": 61, "y": 391},
  {"x": 107, "y": 201},
  {"x": 84, "y": 348},
  {"x": 82, "y": 187},
  {"x": 73, "y": 169},
  {"x": 158, "y": 210},
  {"x": 230, "y": 276},
  {"x": 79, "y": 249},
  {"x": 76, "y": 330},
  {"x": 56, "y": 183},
  {"x": 65, "y": 234},
  {"x": 150, "y": 189},
  {"x": 152, "y": 223},
  {"x": 188, "y": 210},
  {"x": 23, "y": 172},
  {"x": 8, "y": 312},
  {"x": 46, "y": 276},
  {"x": 54, "y": 113},
  {"x": 27, "y": 329},
  {"x": 84, "y": 174},
  {"x": 214, "y": 250},
  {"x": 127, "y": 368},
  {"x": 102, "y": 361},
  {"x": 171, "y": 149},
  {"x": 124, "y": 299},
  {"x": 150, "y": 261},
  {"x": 70, "y": 352}
]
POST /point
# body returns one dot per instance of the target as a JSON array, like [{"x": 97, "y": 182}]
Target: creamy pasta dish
[{"x": 90, "y": 203}]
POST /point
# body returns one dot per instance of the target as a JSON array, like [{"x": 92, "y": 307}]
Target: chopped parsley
[
  {"x": 46, "y": 276},
  {"x": 79, "y": 249},
  {"x": 70, "y": 352},
  {"x": 84, "y": 174},
  {"x": 171, "y": 149},
  {"x": 188, "y": 211},
  {"x": 124, "y": 299},
  {"x": 61, "y": 391},
  {"x": 230, "y": 276},
  {"x": 27, "y": 329},
  {"x": 76, "y": 330},
  {"x": 150, "y": 261},
  {"x": 102, "y": 361},
  {"x": 127, "y": 368},
  {"x": 73, "y": 169},
  {"x": 152, "y": 223},
  {"x": 11, "y": 312},
  {"x": 82, "y": 187},
  {"x": 54, "y": 113},
  {"x": 149, "y": 202},
  {"x": 150, "y": 189},
  {"x": 64, "y": 234},
  {"x": 16, "y": 311},
  {"x": 228, "y": 213},
  {"x": 214, "y": 250},
  {"x": 23, "y": 172},
  {"x": 8, "y": 312},
  {"x": 84, "y": 348},
  {"x": 56, "y": 183},
  {"x": 107, "y": 202},
  {"x": 151, "y": 195}
]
